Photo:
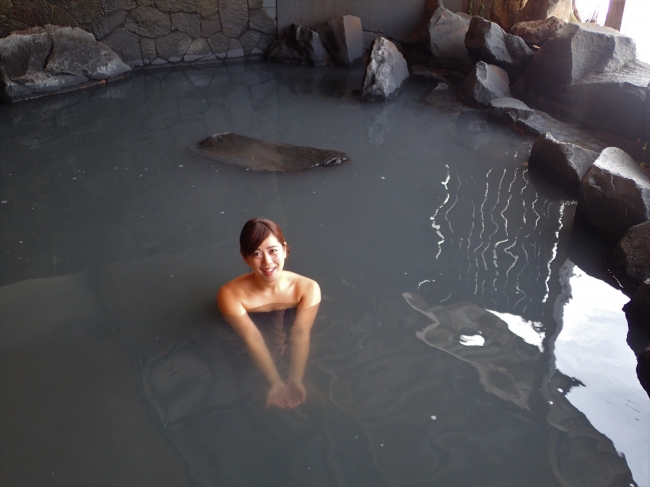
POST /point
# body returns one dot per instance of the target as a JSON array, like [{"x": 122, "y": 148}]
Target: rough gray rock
[
  {"x": 301, "y": 46},
  {"x": 175, "y": 5},
  {"x": 259, "y": 20},
  {"x": 105, "y": 24},
  {"x": 640, "y": 302},
  {"x": 41, "y": 60},
  {"x": 537, "y": 31},
  {"x": 589, "y": 73},
  {"x": 197, "y": 50},
  {"x": 148, "y": 49},
  {"x": 259, "y": 155},
  {"x": 234, "y": 17},
  {"x": 615, "y": 192},
  {"x": 249, "y": 40},
  {"x": 343, "y": 38},
  {"x": 207, "y": 8},
  {"x": 612, "y": 102},
  {"x": 575, "y": 51},
  {"x": 219, "y": 44},
  {"x": 187, "y": 22},
  {"x": 443, "y": 32},
  {"x": 510, "y": 107},
  {"x": 385, "y": 73},
  {"x": 113, "y": 5},
  {"x": 630, "y": 259},
  {"x": 235, "y": 49},
  {"x": 173, "y": 47},
  {"x": 125, "y": 45},
  {"x": 83, "y": 11},
  {"x": 210, "y": 26},
  {"x": 562, "y": 162},
  {"x": 148, "y": 22},
  {"x": 484, "y": 83},
  {"x": 486, "y": 41}
]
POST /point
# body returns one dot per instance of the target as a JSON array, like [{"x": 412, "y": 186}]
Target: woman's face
[{"x": 268, "y": 260}]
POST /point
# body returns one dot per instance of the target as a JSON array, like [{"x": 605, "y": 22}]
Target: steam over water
[{"x": 457, "y": 342}]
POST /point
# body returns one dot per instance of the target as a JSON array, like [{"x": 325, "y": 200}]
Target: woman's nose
[{"x": 266, "y": 257}]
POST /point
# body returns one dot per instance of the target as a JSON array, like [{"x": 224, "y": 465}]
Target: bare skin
[{"x": 268, "y": 288}]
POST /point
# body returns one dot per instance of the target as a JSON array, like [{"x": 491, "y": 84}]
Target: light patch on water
[
  {"x": 527, "y": 330},
  {"x": 592, "y": 348},
  {"x": 472, "y": 340}
]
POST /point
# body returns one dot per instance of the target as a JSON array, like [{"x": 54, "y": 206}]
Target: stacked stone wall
[{"x": 157, "y": 32}]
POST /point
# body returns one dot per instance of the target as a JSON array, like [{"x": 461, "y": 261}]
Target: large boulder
[
  {"x": 484, "y": 83},
  {"x": 343, "y": 38},
  {"x": 537, "y": 31},
  {"x": 640, "y": 302},
  {"x": 486, "y": 41},
  {"x": 589, "y": 73},
  {"x": 630, "y": 259},
  {"x": 615, "y": 192},
  {"x": 301, "y": 46},
  {"x": 562, "y": 162},
  {"x": 42, "y": 60},
  {"x": 575, "y": 51},
  {"x": 385, "y": 73},
  {"x": 443, "y": 33},
  {"x": 259, "y": 155}
]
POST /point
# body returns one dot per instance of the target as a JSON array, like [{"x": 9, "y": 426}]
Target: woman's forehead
[{"x": 270, "y": 241}]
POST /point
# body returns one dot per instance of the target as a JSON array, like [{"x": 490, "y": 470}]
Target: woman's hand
[
  {"x": 277, "y": 396},
  {"x": 296, "y": 393}
]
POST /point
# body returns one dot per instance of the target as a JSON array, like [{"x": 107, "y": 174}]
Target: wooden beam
[{"x": 615, "y": 14}]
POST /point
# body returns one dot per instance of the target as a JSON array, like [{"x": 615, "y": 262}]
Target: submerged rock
[
  {"x": 259, "y": 155},
  {"x": 615, "y": 192},
  {"x": 385, "y": 73},
  {"x": 343, "y": 38},
  {"x": 484, "y": 83},
  {"x": 630, "y": 259},
  {"x": 42, "y": 60},
  {"x": 486, "y": 41},
  {"x": 300, "y": 46},
  {"x": 537, "y": 31},
  {"x": 443, "y": 33},
  {"x": 564, "y": 163}
]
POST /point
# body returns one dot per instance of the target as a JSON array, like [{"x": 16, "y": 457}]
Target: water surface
[{"x": 451, "y": 347}]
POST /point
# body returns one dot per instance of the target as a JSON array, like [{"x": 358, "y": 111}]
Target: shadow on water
[{"x": 445, "y": 273}]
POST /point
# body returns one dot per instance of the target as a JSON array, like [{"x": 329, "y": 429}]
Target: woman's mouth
[{"x": 268, "y": 272}]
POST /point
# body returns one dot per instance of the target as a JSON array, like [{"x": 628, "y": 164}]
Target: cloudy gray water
[{"x": 456, "y": 340}]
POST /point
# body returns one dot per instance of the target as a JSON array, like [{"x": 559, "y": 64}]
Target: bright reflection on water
[
  {"x": 592, "y": 348},
  {"x": 441, "y": 348}
]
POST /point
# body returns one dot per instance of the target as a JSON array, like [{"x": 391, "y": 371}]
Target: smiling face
[{"x": 267, "y": 261}]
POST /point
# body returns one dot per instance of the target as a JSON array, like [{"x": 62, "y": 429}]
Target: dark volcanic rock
[
  {"x": 537, "y": 31},
  {"x": 640, "y": 302},
  {"x": 630, "y": 259},
  {"x": 385, "y": 73},
  {"x": 42, "y": 60},
  {"x": 301, "y": 45},
  {"x": 486, "y": 41},
  {"x": 484, "y": 83},
  {"x": 343, "y": 38},
  {"x": 443, "y": 33},
  {"x": 589, "y": 73},
  {"x": 575, "y": 51},
  {"x": 564, "y": 163},
  {"x": 258, "y": 155},
  {"x": 510, "y": 107},
  {"x": 148, "y": 22},
  {"x": 615, "y": 192}
]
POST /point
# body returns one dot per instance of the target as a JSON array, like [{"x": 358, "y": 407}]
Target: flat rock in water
[
  {"x": 259, "y": 155},
  {"x": 509, "y": 107}
]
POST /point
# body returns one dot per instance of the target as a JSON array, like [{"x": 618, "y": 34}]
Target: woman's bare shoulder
[
  {"x": 308, "y": 290},
  {"x": 231, "y": 294}
]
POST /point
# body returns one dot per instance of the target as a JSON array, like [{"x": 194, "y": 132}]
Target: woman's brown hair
[{"x": 255, "y": 231}]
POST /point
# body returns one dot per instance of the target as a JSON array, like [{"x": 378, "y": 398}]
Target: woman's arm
[
  {"x": 238, "y": 319},
  {"x": 300, "y": 337}
]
